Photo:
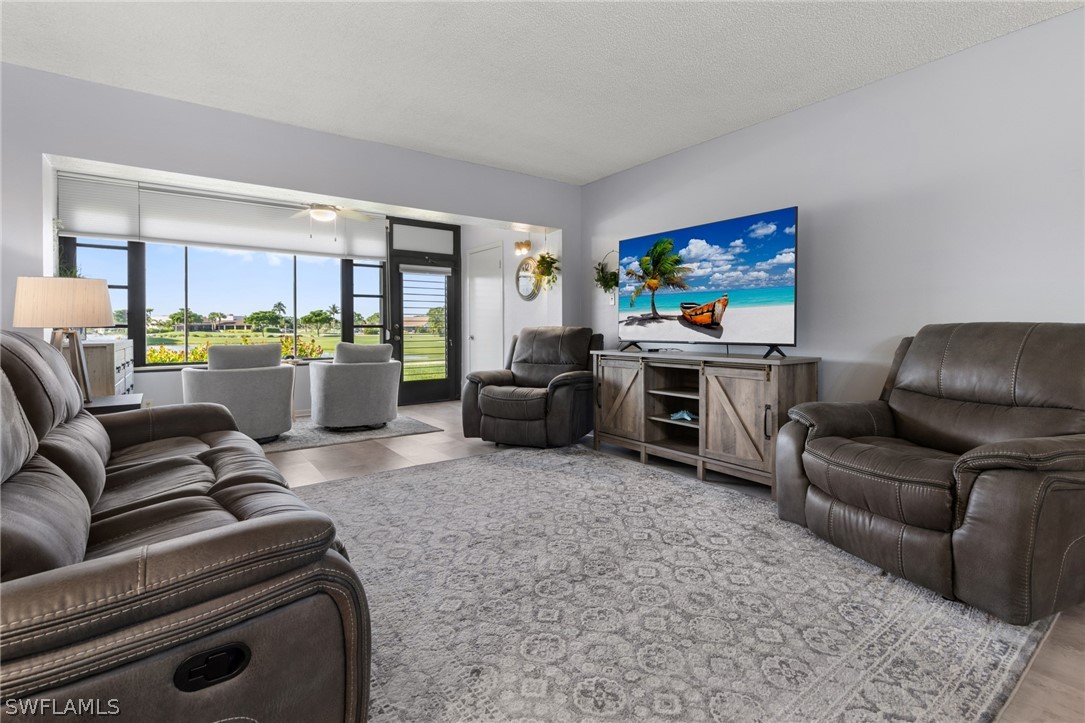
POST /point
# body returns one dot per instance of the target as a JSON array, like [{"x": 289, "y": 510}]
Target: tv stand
[
  {"x": 774, "y": 348},
  {"x": 627, "y": 345},
  {"x": 736, "y": 405}
]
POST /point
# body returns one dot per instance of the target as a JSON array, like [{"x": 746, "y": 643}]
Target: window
[
  {"x": 367, "y": 279},
  {"x": 425, "y": 340},
  {"x": 199, "y": 296},
  {"x": 100, "y": 259},
  {"x": 318, "y": 312}
]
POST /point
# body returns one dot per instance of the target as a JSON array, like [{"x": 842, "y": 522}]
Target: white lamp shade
[{"x": 57, "y": 302}]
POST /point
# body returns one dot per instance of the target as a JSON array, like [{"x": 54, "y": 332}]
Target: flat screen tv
[{"x": 728, "y": 282}]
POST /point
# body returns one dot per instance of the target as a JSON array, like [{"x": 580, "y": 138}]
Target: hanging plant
[
  {"x": 546, "y": 269},
  {"x": 606, "y": 278}
]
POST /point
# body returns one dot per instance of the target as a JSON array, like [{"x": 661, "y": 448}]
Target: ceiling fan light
[{"x": 323, "y": 214}]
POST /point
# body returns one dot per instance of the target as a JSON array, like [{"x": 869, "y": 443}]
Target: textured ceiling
[{"x": 569, "y": 91}]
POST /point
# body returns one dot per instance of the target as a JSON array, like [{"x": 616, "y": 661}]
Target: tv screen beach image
[{"x": 730, "y": 282}]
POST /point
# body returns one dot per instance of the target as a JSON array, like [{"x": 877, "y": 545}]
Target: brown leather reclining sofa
[
  {"x": 154, "y": 564},
  {"x": 967, "y": 476}
]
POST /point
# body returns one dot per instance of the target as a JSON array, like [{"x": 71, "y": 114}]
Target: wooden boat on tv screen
[{"x": 710, "y": 314}]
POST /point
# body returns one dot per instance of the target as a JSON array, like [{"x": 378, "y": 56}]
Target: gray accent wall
[{"x": 951, "y": 192}]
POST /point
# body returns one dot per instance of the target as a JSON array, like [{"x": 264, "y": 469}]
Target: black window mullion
[
  {"x": 346, "y": 300},
  {"x": 137, "y": 299},
  {"x": 184, "y": 315},
  {"x": 295, "y": 324}
]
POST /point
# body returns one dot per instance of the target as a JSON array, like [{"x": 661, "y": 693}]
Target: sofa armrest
[
  {"x": 91, "y": 598},
  {"x": 492, "y": 378},
  {"x": 845, "y": 419},
  {"x": 1063, "y": 453},
  {"x": 176, "y": 420},
  {"x": 570, "y": 378},
  {"x": 1019, "y": 542}
]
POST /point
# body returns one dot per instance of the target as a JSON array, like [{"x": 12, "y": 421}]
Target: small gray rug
[
  {"x": 305, "y": 433},
  {"x": 568, "y": 585}
]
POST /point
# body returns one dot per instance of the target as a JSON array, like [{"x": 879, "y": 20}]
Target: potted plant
[
  {"x": 546, "y": 269},
  {"x": 606, "y": 278}
]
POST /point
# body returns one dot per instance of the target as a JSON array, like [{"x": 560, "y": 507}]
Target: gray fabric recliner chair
[
  {"x": 967, "y": 476},
  {"x": 358, "y": 388},
  {"x": 249, "y": 380},
  {"x": 543, "y": 396}
]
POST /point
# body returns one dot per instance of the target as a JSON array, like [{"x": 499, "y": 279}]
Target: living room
[{"x": 945, "y": 188}]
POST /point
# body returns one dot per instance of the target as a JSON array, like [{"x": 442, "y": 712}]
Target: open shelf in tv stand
[{"x": 738, "y": 402}]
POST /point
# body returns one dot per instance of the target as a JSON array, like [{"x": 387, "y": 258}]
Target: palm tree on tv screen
[{"x": 659, "y": 267}]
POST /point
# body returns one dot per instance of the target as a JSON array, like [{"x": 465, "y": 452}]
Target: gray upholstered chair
[
  {"x": 358, "y": 388},
  {"x": 543, "y": 396},
  {"x": 967, "y": 476},
  {"x": 249, "y": 380}
]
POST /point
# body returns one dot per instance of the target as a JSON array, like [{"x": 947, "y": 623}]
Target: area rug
[
  {"x": 568, "y": 585},
  {"x": 306, "y": 433}
]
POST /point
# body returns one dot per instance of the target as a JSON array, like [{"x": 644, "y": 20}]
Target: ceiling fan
[{"x": 325, "y": 212}]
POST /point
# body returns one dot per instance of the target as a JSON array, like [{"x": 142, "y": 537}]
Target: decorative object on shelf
[
  {"x": 606, "y": 278},
  {"x": 684, "y": 416},
  {"x": 522, "y": 248},
  {"x": 528, "y": 282},
  {"x": 547, "y": 269},
  {"x": 64, "y": 304}
]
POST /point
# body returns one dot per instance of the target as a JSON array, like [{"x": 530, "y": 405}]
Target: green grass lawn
[{"x": 424, "y": 353}]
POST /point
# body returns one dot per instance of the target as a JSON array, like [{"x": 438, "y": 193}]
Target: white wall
[
  {"x": 545, "y": 309},
  {"x": 42, "y": 113},
  {"x": 952, "y": 192}
]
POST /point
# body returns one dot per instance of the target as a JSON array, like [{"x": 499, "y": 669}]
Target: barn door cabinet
[{"x": 735, "y": 406}]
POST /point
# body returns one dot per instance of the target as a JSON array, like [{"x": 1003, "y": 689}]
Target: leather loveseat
[
  {"x": 967, "y": 476},
  {"x": 155, "y": 565},
  {"x": 543, "y": 396}
]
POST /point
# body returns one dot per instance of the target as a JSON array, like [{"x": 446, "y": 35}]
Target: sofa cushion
[
  {"x": 960, "y": 386},
  {"x": 42, "y": 381},
  {"x": 513, "y": 402},
  {"x": 152, "y": 482},
  {"x": 890, "y": 477},
  {"x": 175, "y": 518},
  {"x": 44, "y": 520},
  {"x": 176, "y": 467},
  {"x": 543, "y": 352},
  {"x": 80, "y": 448},
  {"x": 18, "y": 443},
  {"x": 155, "y": 523},
  {"x": 362, "y": 353},
  {"x": 244, "y": 356},
  {"x": 180, "y": 447}
]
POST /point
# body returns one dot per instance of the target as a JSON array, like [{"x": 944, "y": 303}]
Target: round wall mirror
[{"x": 527, "y": 283}]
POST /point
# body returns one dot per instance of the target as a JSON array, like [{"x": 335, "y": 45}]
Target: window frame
[{"x": 136, "y": 288}]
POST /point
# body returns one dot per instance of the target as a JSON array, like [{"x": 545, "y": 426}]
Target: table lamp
[{"x": 64, "y": 304}]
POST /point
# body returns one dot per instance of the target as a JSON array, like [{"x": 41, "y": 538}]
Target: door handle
[{"x": 768, "y": 428}]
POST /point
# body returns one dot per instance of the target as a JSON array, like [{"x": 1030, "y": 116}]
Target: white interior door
[{"x": 485, "y": 310}]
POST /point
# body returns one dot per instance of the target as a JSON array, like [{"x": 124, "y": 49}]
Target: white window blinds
[{"x": 104, "y": 208}]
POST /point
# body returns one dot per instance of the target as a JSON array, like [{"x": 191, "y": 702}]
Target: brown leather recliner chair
[
  {"x": 543, "y": 396},
  {"x": 967, "y": 476},
  {"x": 153, "y": 564}
]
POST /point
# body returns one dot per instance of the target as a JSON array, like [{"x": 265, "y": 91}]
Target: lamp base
[{"x": 77, "y": 359}]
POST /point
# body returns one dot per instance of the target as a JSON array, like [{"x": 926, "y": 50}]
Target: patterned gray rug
[
  {"x": 568, "y": 585},
  {"x": 305, "y": 434}
]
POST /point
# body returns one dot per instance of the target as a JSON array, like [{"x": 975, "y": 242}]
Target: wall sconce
[{"x": 523, "y": 248}]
